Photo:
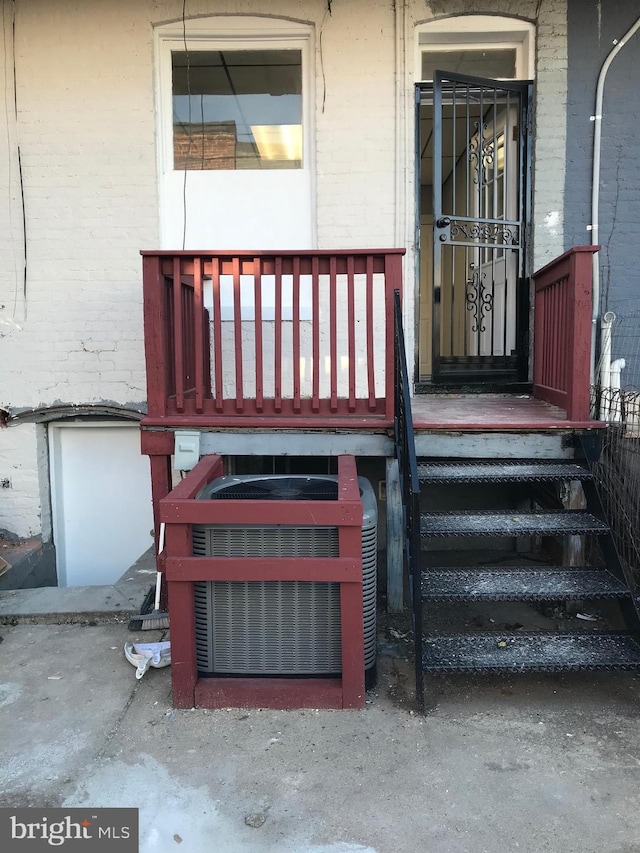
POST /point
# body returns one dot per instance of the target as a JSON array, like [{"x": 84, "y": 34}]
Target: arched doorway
[{"x": 474, "y": 187}]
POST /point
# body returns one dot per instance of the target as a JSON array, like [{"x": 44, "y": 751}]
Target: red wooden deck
[
  {"x": 331, "y": 367},
  {"x": 490, "y": 413},
  {"x": 304, "y": 341}
]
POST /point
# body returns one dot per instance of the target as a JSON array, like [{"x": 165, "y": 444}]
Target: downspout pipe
[
  {"x": 595, "y": 184},
  {"x": 606, "y": 326},
  {"x": 617, "y": 367}
]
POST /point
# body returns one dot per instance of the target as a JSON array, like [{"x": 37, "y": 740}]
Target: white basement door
[{"x": 101, "y": 497}]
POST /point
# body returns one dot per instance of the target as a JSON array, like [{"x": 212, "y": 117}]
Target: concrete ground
[
  {"x": 527, "y": 763},
  {"x": 82, "y": 604},
  {"x": 531, "y": 763}
]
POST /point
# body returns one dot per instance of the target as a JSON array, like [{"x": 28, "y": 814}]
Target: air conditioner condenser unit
[{"x": 279, "y": 628}]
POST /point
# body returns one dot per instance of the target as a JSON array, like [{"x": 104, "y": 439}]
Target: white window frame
[{"x": 230, "y": 33}]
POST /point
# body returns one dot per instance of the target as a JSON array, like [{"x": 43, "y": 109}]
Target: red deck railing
[
  {"x": 562, "y": 332},
  {"x": 264, "y": 336}
]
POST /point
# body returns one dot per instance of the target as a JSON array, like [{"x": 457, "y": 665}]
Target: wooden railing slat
[
  {"x": 371, "y": 376},
  {"x": 315, "y": 325},
  {"x": 237, "y": 336},
  {"x": 257, "y": 290},
  {"x": 217, "y": 334},
  {"x": 198, "y": 310},
  {"x": 295, "y": 318},
  {"x": 278, "y": 336},
  {"x": 392, "y": 282},
  {"x": 351, "y": 332},
  {"x": 333, "y": 334},
  {"x": 178, "y": 348}
]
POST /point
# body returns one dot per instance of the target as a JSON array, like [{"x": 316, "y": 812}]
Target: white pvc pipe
[
  {"x": 615, "y": 412},
  {"x": 595, "y": 183},
  {"x": 605, "y": 347},
  {"x": 605, "y": 362},
  {"x": 617, "y": 367}
]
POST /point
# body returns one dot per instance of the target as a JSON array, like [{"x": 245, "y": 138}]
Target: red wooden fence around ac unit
[
  {"x": 301, "y": 337},
  {"x": 562, "y": 332},
  {"x": 180, "y": 509}
]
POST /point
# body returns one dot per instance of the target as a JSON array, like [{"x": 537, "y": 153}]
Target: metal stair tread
[
  {"x": 520, "y": 583},
  {"x": 529, "y": 652},
  {"x": 500, "y": 471},
  {"x": 510, "y": 523}
]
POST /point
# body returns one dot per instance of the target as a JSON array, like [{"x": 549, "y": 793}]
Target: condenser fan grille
[{"x": 280, "y": 489}]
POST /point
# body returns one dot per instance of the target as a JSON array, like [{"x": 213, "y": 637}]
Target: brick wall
[
  {"x": 20, "y": 477},
  {"x": 205, "y": 146}
]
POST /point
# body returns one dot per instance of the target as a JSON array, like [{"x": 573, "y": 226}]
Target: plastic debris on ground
[{"x": 145, "y": 655}]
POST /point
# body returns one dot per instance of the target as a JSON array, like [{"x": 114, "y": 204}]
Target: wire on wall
[
  {"x": 25, "y": 258},
  {"x": 327, "y": 13},
  {"x": 10, "y": 76},
  {"x": 9, "y": 158}
]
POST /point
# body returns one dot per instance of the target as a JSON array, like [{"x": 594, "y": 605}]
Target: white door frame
[{"x": 455, "y": 33}]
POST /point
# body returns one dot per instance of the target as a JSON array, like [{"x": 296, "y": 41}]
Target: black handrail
[{"x": 405, "y": 451}]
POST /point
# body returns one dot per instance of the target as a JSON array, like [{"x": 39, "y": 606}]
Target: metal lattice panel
[
  {"x": 489, "y": 523},
  {"x": 500, "y": 472},
  {"x": 520, "y": 583},
  {"x": 530, "y": 652}
]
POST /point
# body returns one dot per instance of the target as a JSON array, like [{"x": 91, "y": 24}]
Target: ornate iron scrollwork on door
[
  {"x": 492, "y": 234},
  {"x": 481, "y": 152},
  {"x": 479, "y": 300}
]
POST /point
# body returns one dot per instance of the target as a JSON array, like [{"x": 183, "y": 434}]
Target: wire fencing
[
  {"x": 617, "y": 472},
  {"x": 620, "y": 345}
]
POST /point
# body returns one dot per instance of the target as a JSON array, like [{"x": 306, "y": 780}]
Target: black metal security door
[{"x": 480, "y": 149}]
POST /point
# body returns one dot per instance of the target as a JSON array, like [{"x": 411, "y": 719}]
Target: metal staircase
[
  {"x": 504, "y": 649},
  {"x": 515, "y": 651}
]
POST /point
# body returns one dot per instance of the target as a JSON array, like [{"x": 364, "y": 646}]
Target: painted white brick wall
[
  {"x": 20, "y": 502},
  {"x": 86, "y": 127},
  {"x": 356, "y": 132},
  {"x": 86, "y": 133}
]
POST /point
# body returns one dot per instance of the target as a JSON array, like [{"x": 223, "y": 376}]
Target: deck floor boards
[
  {"x": 431, "y": 413},
  {"x": 487, "y": 412}
]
